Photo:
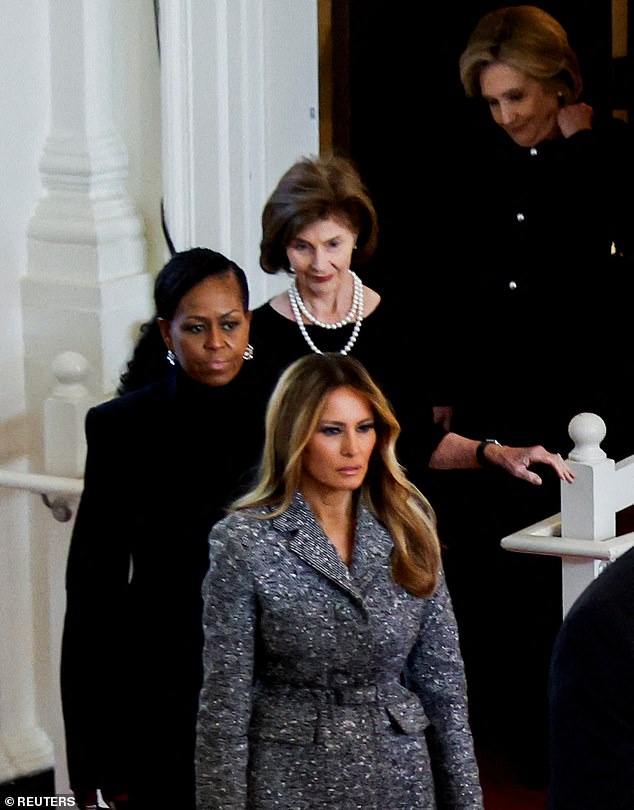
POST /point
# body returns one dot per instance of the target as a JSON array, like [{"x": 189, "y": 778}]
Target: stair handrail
[
  {"x": 64, "y": 440},
  {"x": 583, "y": 534}
]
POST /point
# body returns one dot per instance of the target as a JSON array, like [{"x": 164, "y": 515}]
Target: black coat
[
  {"x": 540, "y": 295},
  {"x": 161, "y": 464},
  {"x": 534, "y": 304},
  {"x": 590, "y": 692}
]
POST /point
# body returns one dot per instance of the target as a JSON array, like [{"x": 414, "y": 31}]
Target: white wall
[
  {"x": 137, "y": 115},
  {"x": 235, "y": 118},
  {"x": 24, "y": 94}
]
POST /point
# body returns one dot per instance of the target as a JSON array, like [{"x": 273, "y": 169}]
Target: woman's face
[
  {"x": 209, "y": 330},
  {"x": 522, "y": 106},
  {"x": 321, "y": 253},
  {"x": 337, "y": 455}
]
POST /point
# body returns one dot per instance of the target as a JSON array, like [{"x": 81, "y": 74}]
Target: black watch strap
[{"x": 483, "y": 461}]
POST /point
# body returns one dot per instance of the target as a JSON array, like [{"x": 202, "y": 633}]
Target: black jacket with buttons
[{"x": 543, "y": 264}]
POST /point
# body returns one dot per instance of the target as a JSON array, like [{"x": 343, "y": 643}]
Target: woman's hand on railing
[
  {"x": 456, "y": 452},
  {"x": 519, "y": 460}
]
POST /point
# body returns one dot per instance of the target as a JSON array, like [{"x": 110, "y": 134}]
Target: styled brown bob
[{"x": 312, "y": 189}]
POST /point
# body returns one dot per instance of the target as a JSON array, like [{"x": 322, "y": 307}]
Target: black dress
[
  {"x": 389, "y": 346},
  {"x": 162, "y": 462},
  {"x": 536, "y": 298}
]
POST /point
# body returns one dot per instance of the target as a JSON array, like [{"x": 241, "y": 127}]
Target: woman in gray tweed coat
[{"x": 333, "y": 675}]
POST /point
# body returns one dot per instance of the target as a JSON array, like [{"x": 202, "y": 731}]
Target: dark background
[{"x": 399, "y": 109}]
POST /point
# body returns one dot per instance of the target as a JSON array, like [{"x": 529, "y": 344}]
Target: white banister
[
  {"x": 32, "y": 597},
  {"x": 583, "y": 534},
  {"x": 65, "y": 490},
  {"x": 64, "y": 440},
  {"x": 42, "y": 484}
]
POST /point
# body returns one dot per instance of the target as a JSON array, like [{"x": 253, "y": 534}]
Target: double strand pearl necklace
[{"x": 355, "y": 313}]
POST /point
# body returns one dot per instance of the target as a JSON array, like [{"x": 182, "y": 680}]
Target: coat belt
[{"x": 340, "y": 695}]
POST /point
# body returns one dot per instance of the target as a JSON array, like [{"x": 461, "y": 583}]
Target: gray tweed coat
[{"x": 326, "y": 686}]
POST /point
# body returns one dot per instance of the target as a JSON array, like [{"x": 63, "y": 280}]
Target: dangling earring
[
  {"x": 247, "y": 354},
  {"x": 171, "y": 357}
]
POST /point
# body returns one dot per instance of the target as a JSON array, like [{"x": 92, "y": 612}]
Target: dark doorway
[{"x": 399, "y": 109}]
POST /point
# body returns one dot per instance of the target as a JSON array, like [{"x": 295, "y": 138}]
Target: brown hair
[
  {"x": 313, "y": 189},
  {"x": 527, "y": 39}
]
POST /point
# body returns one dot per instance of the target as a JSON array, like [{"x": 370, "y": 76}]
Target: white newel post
[
  {"x": 583, "y": 534},
  {"x": 587, "y": 510},
  {"x": 64, "y": 415},
  {"x": 64, "y": 455},
  {"x": 86, "y": 287}
]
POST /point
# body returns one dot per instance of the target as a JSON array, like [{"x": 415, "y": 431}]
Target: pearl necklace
[
  {"x": 298, "y": 307},
  {"x": 357, "y": 296}
]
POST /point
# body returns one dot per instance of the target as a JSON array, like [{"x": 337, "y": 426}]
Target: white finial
[
  {"x": 587, "y": 430},
  {"x": 70, "y": 367},
  {"x": 64, "y": 415}
]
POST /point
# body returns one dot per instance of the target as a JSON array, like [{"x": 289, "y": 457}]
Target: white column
[
  {"x": 240, "y": 105},
  {"x": 86, "y": 287}
]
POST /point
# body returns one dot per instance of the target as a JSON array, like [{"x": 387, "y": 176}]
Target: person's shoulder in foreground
[{"x": 590, "y": 694}]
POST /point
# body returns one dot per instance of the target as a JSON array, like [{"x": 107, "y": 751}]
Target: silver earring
[
  {"x": 171, "y": 357},
  {"x": 247, "y": 354}
]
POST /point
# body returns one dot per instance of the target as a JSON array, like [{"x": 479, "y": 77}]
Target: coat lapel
[
  {"x": 371, "y": 556},
  {"x": 309, "y": 542}
]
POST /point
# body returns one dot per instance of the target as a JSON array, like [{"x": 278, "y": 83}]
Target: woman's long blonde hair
[{"x": 292, "y": 417}]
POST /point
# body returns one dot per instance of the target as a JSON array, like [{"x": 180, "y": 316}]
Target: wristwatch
[{"x": 483, "y": 461}]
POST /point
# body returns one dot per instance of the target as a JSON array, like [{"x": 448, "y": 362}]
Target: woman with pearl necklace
[{"x": 319, "y": 222}]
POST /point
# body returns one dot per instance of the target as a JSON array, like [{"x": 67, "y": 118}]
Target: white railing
[
  {"x": 56, "y": 492},
  {"x": 583, "y": 534},
  {"x": 32, "y": 597},
  {"x": 64, "y": 441}
]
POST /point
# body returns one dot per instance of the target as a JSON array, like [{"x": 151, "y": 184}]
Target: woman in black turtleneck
[{"x": 164, "y": 457}]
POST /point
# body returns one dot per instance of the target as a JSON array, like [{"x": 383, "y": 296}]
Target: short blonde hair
[{"x": 525, "y": 38}]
